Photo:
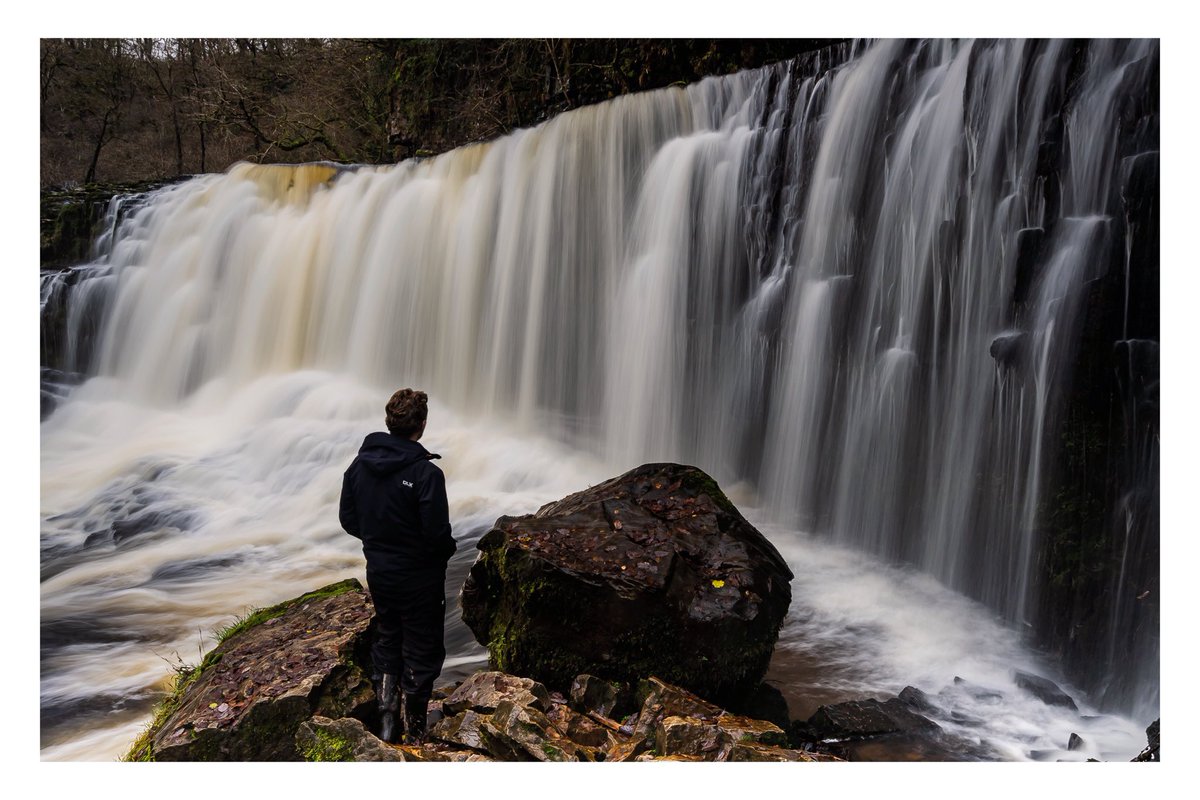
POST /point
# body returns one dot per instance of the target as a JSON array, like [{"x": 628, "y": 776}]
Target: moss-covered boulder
[
  {"x": 271, "y": 672},
  {"x": 654, "y": 572}
]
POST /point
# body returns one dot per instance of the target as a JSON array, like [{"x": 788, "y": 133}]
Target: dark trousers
[{"x": 410, "y": 619}]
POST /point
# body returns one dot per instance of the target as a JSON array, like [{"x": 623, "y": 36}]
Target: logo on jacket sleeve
[{"x": 406, "y": 483}]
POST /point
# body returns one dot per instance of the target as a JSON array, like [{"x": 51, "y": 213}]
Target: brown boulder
[{"x": 654, "y": 572}]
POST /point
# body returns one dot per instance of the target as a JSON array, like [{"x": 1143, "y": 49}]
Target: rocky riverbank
[{"x": 293, "y": 682}]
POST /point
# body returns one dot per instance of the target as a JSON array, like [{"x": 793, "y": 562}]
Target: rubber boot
[
  {"x": 389, "y": 705},
  {"x": 414, "y": 718}
]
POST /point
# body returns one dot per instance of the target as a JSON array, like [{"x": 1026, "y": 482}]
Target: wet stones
[
  {"x": 514, "y": 732},
  {"x": 344, "y": 739},
  {"x": 485, "y": 691},
  {"x": 860, "y": 718},
  {"x": 653, "y": 572},
  {"x": 461, "y": 729},
  {"x": 671, "y": 725},
  {"x": 597, "y": 694},
  {"x": 1044, "y": 689}
]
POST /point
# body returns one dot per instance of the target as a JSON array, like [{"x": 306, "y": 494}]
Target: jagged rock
[
  {"x": 917, "y": 700},
  {"x": 1151, "y": 751},
  {"x": 249, "y": 696},
  {"x": 345, "y": 739},
  {"x": 688, "y": 736},
  {"x": 1045, "y": 690},
  {"x": 485, "y": 691},
  {"x": 522, "y": 733},
  {"x": 675, "y": 700},
  {"x": 753, "y": 751},
  {"x": 462, "y": 729},
  {"x": 629, "y": 749},
  {"x": 654, "y": 572},
  {"x": 589, "y": 693},
  {"x": 579, "y": 728},
  {"x": 859, "y": 718},
  {"x": 1075, "y": 742},
  {"x": 680, "y": 723},
  {"x": 737, "y": 728}
]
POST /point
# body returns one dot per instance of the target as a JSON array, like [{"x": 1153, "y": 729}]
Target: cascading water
[{"x": 795, "y": 278}]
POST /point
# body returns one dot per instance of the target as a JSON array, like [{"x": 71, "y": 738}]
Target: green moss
[
  {"x": 328, "y": 746},
  {"x": 260, "y": 615},
  {"x": 699, "y": 482},
  {"x": 551, "y": 750},
  {"x": 185, "y": 675}
]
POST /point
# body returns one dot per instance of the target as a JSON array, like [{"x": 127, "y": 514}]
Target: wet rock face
[
  {"x": 254, "y": 690},
  {"x": 654, "y": 572},
  {"x": 860, "y": 718},
  {"x": 1045, "y": 690},
  {"x": 484, "y": 691},
  {"x": 345, "y": 739},
  {"x": 1151, "y": 753}
]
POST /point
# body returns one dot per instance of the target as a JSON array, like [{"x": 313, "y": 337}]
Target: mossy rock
[
  {"x": 654, "y": 572},
  {"x": 271, "y": 672}
]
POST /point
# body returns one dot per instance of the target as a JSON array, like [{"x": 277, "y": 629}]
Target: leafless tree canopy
[
  {"x": 132, "y": 109},
  {"x": 142, "y": 109}
]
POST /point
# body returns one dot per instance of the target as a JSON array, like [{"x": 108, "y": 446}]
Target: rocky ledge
[{"x": 269, "y": 673}]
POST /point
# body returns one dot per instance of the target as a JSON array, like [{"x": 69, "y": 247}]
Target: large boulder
[
  {"x": 654, "y": 572},
  {"x": 272, "y": 672}
]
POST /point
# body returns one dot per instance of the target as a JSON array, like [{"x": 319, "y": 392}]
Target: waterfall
[{"x": 805, "y": 279}]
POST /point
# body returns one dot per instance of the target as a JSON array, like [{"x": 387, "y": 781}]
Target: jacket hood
[{"x": 383, "y": 453}]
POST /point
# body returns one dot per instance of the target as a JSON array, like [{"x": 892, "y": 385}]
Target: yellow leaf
[
  {"x": 718, "y": 584},
  {"x": 212, "y": 705}
]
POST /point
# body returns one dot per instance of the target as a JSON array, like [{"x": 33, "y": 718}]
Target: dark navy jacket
[{"x": 394, "y": 499}]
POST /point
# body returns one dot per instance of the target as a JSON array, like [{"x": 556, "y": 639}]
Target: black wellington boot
[
  {"x": 389, "y": 705},
  {"x": 414, "y": 718}
]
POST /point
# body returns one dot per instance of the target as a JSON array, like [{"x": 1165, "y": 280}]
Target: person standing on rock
[{"x": 394, "y": 500}]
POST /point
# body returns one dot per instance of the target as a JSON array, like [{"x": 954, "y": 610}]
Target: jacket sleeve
[
  {"x": 348, "y": 510},
  {"x": 435, "y": 515}
]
